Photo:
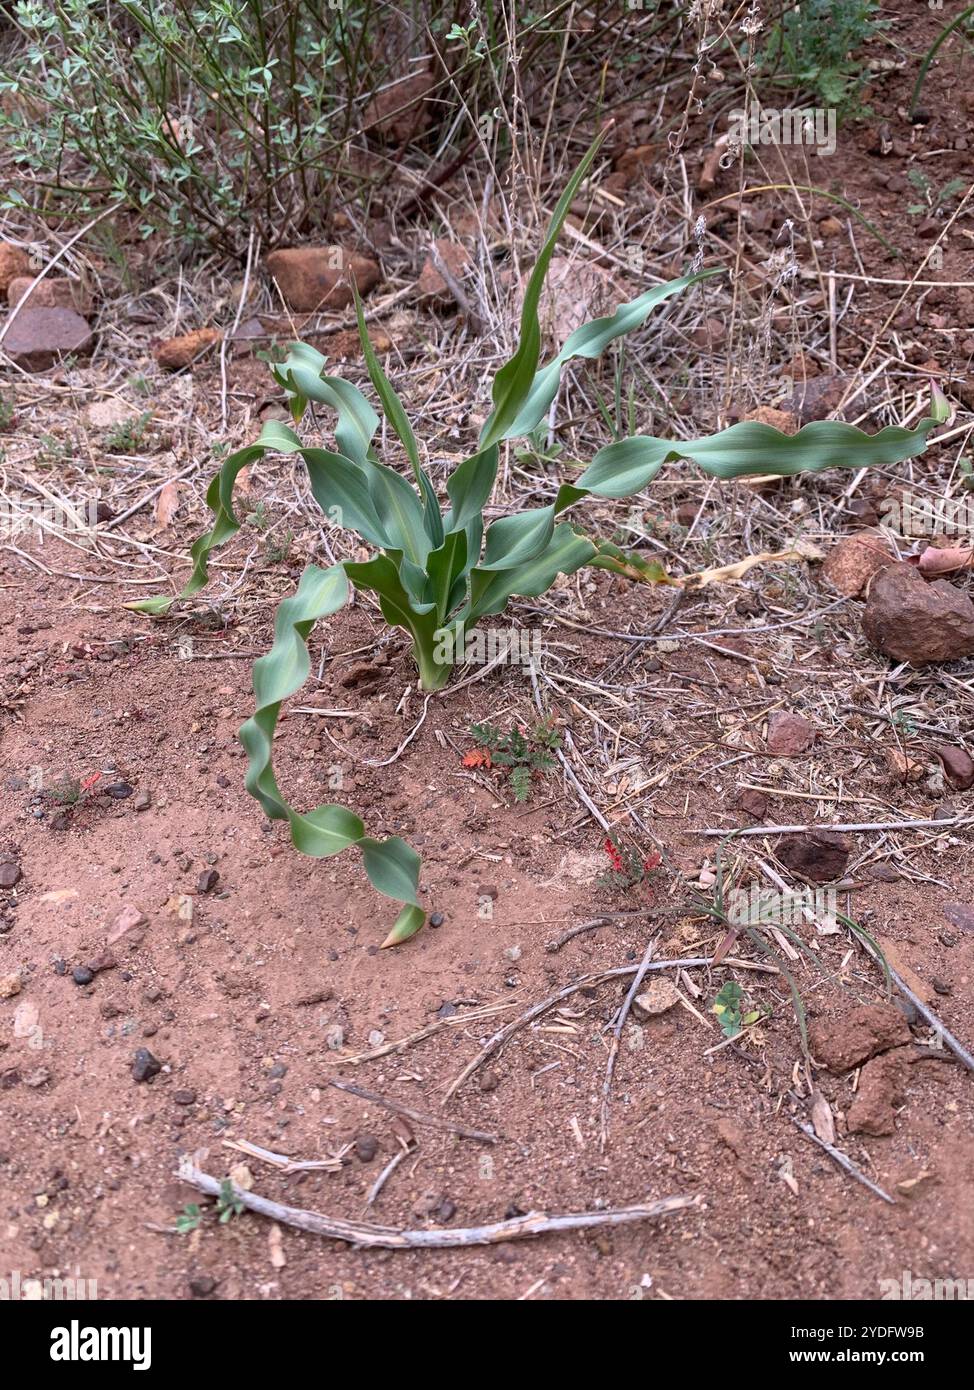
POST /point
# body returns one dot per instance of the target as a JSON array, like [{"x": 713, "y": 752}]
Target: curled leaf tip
[{"x": 407, "y": 924}]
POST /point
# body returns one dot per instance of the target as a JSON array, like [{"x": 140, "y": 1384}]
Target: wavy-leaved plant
[{"x": 436, "y": 571}]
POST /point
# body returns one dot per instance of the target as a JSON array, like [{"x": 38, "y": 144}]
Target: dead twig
[
  {"x": 617, "y": 1027},
  {"x": 364, "y": 1235},
  {"x": 843, "y": 1160},
  {"x": 398, "y": 1108}
]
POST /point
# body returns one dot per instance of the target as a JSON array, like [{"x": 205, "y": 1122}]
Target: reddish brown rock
[
  {"x": 957, "y": 764},
  {"x": 816, "y": 399},
  {"x": 49, "y": 293},
  {"x": 882, "y": 1088},
  {"x": 37, "y": 338},
  {"x": 13, "y": 262},
  {"x": 862, "y": 1032},
  {"x": 402, "y": 111},
  {"x": 852, "y": 563},
  {"x": 817, "y": 855},
  {"x": 317, "y": 277},
  {"x": 753, "y": 803},
  {"x": 176, "y": 353},
  {"x": 912, "y": 620},
  {"x": 789, "y": 734},
  {"x": 781, "y": 420},
  {"x": 455, "y": 256}
]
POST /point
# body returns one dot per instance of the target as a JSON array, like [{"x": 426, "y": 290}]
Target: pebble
[
  {"x": 185, "y": 1097},
  {"x": 202, "y": 1285},
  {"x": 10, "y": 985},
  {"x": 145, "y": 1065},
  {"x": 119, "y": 790},
  {"x": 82, "y": 975},
  {"x": 142, "y": 802},
  {"x": 436, "y": 919},
  {"x": 10, "y": 874},
  {"x": 207, "y": 881}
]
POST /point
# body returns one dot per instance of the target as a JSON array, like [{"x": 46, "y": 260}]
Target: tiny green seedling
[
  {"x": 727, "y": 1006},
  {"x": 228, "y": 1204},
  {"x": 527, "y": 752},
  {"x": 189, "y": 1219}
]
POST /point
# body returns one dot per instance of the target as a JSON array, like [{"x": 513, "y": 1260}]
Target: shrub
[{"x": 434, "y": 572}]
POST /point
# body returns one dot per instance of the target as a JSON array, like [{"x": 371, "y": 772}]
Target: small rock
[
  {"x": 455, "y": 257},
  {"x": 82, "y": 975},
  {"x": 38, "y": 338},
  {"x": 202, "y": 1285},
  {"x": 10, "y": 874},
  {"x": 781, "y": 420},
  {"x": 10, "y": 985},
  {"x": 851, "y": 565},
  {"x": 207, "y": 881},
  {"x": 941, "y": 986},
  {"x": 865, "y": 1030},
  {"x": 127, "y": 920},
  {"x": 13, "y": 263},
  {"x": 401, "y": 112},
  {"x": 960, "y": 915},
  {"x": 818, "y": 855},
  {"x": 145, "y": 1065},
  {"x": 316, "y": 277},
  {"x": 53, "y": 292},
  {"x": 753, "y": 803},
  {"x": 957, "y": 764},
  {"x": 185, "y": 1097},
  {"x": 176, "y": 353},
  {"x": 882, "y": 1087},
  {"x": 436, "y": 919},
  {"x": 118, "y": 791},
  {"x": 142, "y": 802},
  {"x": 489, "y": 1081},
  {"x": 366, "y": 1147},
  {"x": 911, "y": 620},
  {"x": 106, "y": 961},
  {"x": 789, "y": 734},
  {"x": 658, "y": 997}
]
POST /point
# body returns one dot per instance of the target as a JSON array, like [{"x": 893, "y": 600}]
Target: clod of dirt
[
  {"x": 38, "y": 338},
  {"x": 656, "y": 998},
  {"x": 50, "y": 293},
  {"x": 176, "y": 353},
  {"x": 882, "y": 1087},
  {"x": 753, "y": 803},
  {"x": 316, "y": 277},
  {"x": 789, "y": 734},
  {"x": 401, "y": 112},
  {"x": 366, "y": 1147},
  {"x": 867, "y": 1029},
  {"x": 10, "y": 985},
  {"x": 782, "y": 420},
  {"x": 145, "y": 1065},
  {"x": 456, "y": 258},
  {"x": 852, "y": 563},
  {"x": 817, "y": 855},
  {"x": 910, "y": 620},
  {"x": 13, "y": 262},
  {"x": 958, "y": 766},
  {"x": 10, "y": 874}
]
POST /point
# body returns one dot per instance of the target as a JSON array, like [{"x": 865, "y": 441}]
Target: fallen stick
[
  {"x": 844, "y": 1161},
  {"x": 362, "y": 1234},
  {"x": 617, "y": 1027},
  {"x": 398, "y": 1108},
  {"x": 870, "y": 825}
]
